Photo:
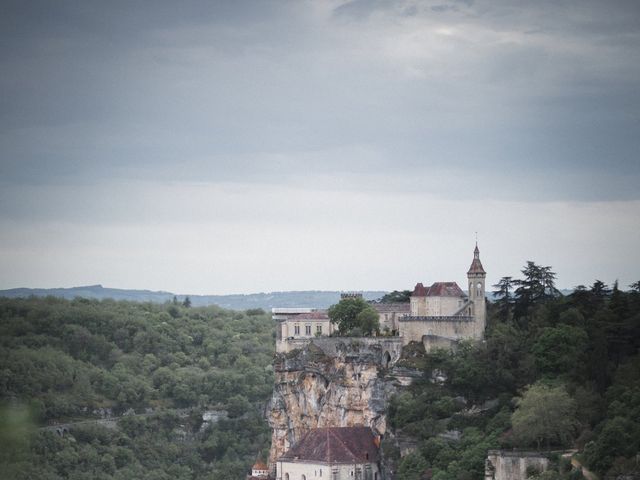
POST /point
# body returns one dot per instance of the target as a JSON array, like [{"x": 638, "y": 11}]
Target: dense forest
[
  {"x": 554, "y": 372},
  {"x": 155, "y": 368}
]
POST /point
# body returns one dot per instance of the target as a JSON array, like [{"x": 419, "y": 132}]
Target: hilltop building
[
  {"x": 336, "y": 453},
  {"x": 442, "y": 314},
  {"x": 438, "y": 316}
]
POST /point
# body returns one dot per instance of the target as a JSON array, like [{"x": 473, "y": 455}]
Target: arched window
[
  {"x": 286, "y": 476},
  {"x": 303, "y": 477}
]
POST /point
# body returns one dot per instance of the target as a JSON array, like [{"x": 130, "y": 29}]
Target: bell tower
[{"x": 476, "y": 276}]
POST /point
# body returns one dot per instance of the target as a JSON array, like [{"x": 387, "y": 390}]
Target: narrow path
[{"x": 589, "y": 475}]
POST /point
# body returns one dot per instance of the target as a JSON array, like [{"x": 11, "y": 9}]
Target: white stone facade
[{"x": 300, "y": 470}]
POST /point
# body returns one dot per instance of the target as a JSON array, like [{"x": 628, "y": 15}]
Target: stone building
[
  {"x": 438, "y": 316},
  {"x": 441, "y": 315},
  {"x": 335, "y": 453},
  {"x": 297, "y": 324}
]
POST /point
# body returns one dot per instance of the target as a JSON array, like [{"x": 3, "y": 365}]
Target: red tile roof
[
  {"x": 419, "y": 291},
  {"x": 259, "y": 465},
  {"x": 335, "y": 445},
  {"x": 445, "y": 289}
]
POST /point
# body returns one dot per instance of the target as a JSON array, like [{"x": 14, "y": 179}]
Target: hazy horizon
[{"x": 241, "y": 147}]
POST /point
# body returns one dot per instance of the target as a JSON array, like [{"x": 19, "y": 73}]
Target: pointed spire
[{"x": 476, "y": 265}]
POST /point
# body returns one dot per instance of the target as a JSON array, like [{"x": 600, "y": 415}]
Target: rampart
[
  {"x": 384, "y": 351},
  {"x": 428, "y": 329}
]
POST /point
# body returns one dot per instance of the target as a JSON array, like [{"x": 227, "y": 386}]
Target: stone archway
[{"x": 386, "y": 359}]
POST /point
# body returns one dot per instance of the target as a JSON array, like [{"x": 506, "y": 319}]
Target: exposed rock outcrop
[{"x": 331, "y": 382}]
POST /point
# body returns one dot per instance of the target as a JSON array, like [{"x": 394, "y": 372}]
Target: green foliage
[
  {"x": 545, "y": 415},
  {"x": 574, "y": 360},
  {"x": 354, "y": 316},
  {"x": 412, "y": 467},
  {"x": 69, "y": 359},
  {"x": 396, "y": 296},
  {"x": 554, "y": 361}
]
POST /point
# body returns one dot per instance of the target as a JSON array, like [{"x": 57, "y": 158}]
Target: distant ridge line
[{"x": 306, "y": 298}]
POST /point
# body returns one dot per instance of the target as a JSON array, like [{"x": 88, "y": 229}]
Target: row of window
[
  {"x": 307, "y": 329},
  {"x": 335, "y": 475}
]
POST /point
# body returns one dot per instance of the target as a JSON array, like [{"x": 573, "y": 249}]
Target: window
[
  {"x": 319, "y": 330},
  {"x": 296, "y": 330},
  {"x": 320, "y": 472},
  {"x": 307, "y": 330},
  {"x": 286, "y": 476},
  {"x": 303, "y": 477}
]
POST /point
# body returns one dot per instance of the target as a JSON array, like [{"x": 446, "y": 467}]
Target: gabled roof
[
  {"x": 419, "y": 291},
  {"x": 445, "y": 289},
  {"x": 335, "y": 445}
]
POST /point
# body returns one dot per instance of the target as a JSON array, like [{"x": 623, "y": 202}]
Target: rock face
[{"x": 331, "y": 382}]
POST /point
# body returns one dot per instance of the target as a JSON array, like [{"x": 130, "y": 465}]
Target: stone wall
[
  {"x": 371, "y": 349},
  {"x": 513, "y": 465},
  {"x": 413, "y": 329}
]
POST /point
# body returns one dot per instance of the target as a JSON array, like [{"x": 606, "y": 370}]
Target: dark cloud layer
[{"x": 214, "y": 90}]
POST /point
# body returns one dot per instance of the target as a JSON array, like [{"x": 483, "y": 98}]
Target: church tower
[{"x": 477, "y": 276}]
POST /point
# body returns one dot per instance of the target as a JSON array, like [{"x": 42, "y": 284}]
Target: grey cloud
[{"x": 271, "y": 92}]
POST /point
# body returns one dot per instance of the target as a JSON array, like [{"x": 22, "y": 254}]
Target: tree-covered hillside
[
  {"x": 161, "y": 366},
  {"x": 554, "y": 372}
]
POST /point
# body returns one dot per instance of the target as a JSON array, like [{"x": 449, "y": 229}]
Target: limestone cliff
[{"x": 331, "y": 382}]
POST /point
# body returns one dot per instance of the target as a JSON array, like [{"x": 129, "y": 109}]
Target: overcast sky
[{"x": 241, "y": 146}]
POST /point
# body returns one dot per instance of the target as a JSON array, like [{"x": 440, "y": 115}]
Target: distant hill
[{"x": 312, "y": 298}]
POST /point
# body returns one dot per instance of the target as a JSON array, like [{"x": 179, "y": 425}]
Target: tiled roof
[
  {"x": 476, "y": 265},
  {"x": 391, "y": 307},
  {"x": 260, "y": 466},
  {"x": 419, "y": 291},
  {"x": 335, "y": 445},
  {"x": 445, "y": 289}
]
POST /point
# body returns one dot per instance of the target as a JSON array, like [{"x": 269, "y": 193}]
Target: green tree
[
  {"x": 503, "y": 297},
  {"x": 551, "y": 359},
  {"x": 186, "y": 302},
  {"x": 396, "y": 296},
  {"x": 368, "y": 321},
  {"x": 346, "y": 314},
  {"x": 544, "y": 415}
]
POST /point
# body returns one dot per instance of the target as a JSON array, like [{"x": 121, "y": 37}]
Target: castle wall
[
  {"x": 513, "y": 465},
  {"x": 373, "y": 349},
  {"x": 412, "y": 329}
]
